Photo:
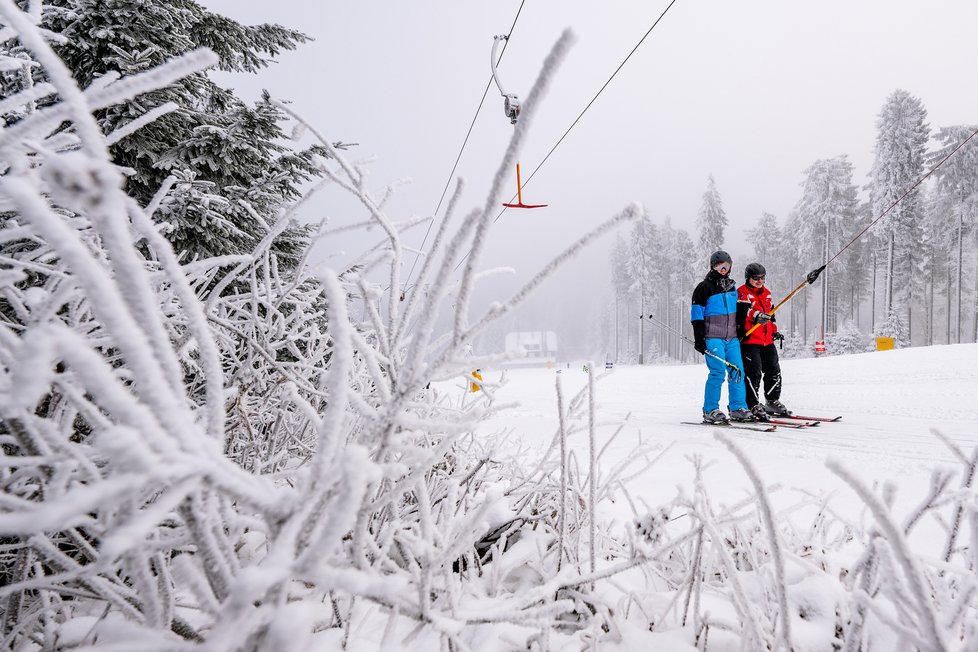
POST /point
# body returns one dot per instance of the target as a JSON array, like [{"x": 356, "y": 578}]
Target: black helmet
[
  {"x": 718, "y": 257},
  {"x": 754, "y": 269}
]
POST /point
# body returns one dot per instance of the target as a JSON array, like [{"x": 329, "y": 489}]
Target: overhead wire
[
  {"x": 583, "y": 111},
  {"x": 451, "y": 174},
  {"x": 904, "y": 195}
]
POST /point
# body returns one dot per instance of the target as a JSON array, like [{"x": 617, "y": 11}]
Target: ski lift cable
[
  {"x": 462, "y": 149},
  {"x": 581, "y": 114},
  {"x": 813, "y": 275},
  {"x": 593, "y": 99},
  {"x": 904, "y": 195}
]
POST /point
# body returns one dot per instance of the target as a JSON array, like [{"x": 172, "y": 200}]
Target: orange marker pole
[{"x": 519, "y": 185}]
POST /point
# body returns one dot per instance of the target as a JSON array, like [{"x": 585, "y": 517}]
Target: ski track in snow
[{"x": 890, "y": 403}]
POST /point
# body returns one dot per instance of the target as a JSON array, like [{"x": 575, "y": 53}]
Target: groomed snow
[{"x": 890, "y": 402}]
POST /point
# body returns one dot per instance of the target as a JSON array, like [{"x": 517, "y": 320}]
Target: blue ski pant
[{"x": 728, "y": 350}]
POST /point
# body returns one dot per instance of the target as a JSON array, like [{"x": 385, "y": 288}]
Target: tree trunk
[
  {"x": 641, "y": 330},
  {"x": 825, "y": 281},
  {"x": 872, "y": 309},
  {"x": 957, "y": 336},
  {"x": 929, "y": 317},
  {"x": 616, "y": 326},
  {"x": 974, "y": 299},
  {"x": 911, "y": 280},
  {"x": 947, "y": 293},
  {"x": 804, "y": 317},
  {"x": 889, "y": 277}
]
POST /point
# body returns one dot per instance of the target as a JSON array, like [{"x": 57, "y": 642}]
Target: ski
[
  {"x": 801, "y": 418},
  {"x": 792, "y": 424},
  {"x": 739, "y": 426}
]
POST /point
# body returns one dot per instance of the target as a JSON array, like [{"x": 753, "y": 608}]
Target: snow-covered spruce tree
[
  {"x": 711, "y": 221},
  {"x": 643, "y": 242},
  {"x": 677, "y": 262},
  {"x": 848, "y": 339},
  {"x": 825, "y": 216},
  {"x": 768, "y": 243},
  {"x": 854, "y": 268},
  {"x": 955, "y": 216},
  {"x": 233, "y": 171},
  {"x": 797, "y": 257},
  {"x": 620, "y": 283},
  {"x": 901, "y": 148},
  {"x": 893, "y": 325},
  {"x": 765, "y": 240},
  {"x": 939, "y": 230}
]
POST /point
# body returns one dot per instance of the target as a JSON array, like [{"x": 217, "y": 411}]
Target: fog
[{"x": 752, "y": 93}]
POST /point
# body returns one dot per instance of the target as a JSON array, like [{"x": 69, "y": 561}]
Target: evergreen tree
[
  {"x": 620, "y": 283},
  {"x": 641, "y": 270},
  {"x": 955, "y": 205},
  {"x": 795, "y": 256},
  {"x": 228, "y": 158},
  {"x": 853, "y": 268},
  {"x": 765, "y": 239},
  {"x": 675, "y": 259},
  {"x": 826, "y": 214},
  {"x": 893, "y": 326},
  {"x": 901, "y": 142},
  {"x": 711, "y": 221},
  {"x": 689, "y": 274}
]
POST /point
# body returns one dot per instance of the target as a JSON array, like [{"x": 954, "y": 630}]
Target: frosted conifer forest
[{"x": 206, "y": 447}]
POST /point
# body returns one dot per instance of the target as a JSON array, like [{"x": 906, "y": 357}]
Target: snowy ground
[{"x": 890, "y": 402}]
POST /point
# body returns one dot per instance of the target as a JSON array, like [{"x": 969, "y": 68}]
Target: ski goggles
[{"x": 757, "y": 277}]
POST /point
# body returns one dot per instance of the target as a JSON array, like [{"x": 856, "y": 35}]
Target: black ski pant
[{"x": 761, "y": 359}]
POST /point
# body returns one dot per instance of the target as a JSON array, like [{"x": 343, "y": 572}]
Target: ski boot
[
  {"x": 760, "y": 414},
  {"x": 776, "y": 408},
  {"x": 742, "y": 415},
  {"x": 715, "y": 416}
]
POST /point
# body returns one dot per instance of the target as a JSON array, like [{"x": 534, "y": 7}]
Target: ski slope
[{"x": 891, "y": 403}]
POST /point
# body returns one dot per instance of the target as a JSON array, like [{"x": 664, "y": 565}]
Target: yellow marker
[
  {"x": 475, "y": 386},
  {"x": 884, "y": 343}
]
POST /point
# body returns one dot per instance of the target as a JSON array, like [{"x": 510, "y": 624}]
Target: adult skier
[
  {"x": 758, "y": 351},
  {"x": 714, "y": 319}
]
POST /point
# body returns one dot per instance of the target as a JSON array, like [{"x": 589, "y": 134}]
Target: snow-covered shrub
[
  {"x": 893, "y": 326},
  {"x": 796, "y": 346},
  {"x": 213, "y": 451},
  {"x": 848, "y": 339},
  {"x": 741, "y": 577}
]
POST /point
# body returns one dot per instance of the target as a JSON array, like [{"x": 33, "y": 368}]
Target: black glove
[
  {"x": 778, "y": 337},
  {"x": 761, "y": 318},
  {"x": 700, "y": 346}
]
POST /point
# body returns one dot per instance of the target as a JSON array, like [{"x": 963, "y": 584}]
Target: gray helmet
[
  {"x": 754, "y": 269},
  {"x": 718, "y": 257}
]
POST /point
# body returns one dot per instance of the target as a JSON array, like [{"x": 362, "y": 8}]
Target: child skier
[
  {"x": 714, "y": 319},
  {"x": 758, "y": 350}
]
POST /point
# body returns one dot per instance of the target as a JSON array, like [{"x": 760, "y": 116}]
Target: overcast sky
[{"x": 752, "y": 92}]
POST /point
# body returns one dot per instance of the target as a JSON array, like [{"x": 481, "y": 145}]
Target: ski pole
[
  {"x": 737, "y": 373},
  {"x": 811, "y": 278}
]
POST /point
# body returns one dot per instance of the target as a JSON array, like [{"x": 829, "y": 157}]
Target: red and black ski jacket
[{"x": 751, "y": 301}]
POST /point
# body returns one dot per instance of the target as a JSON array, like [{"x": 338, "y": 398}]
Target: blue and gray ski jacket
[{"x": 714, "y": 310}]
